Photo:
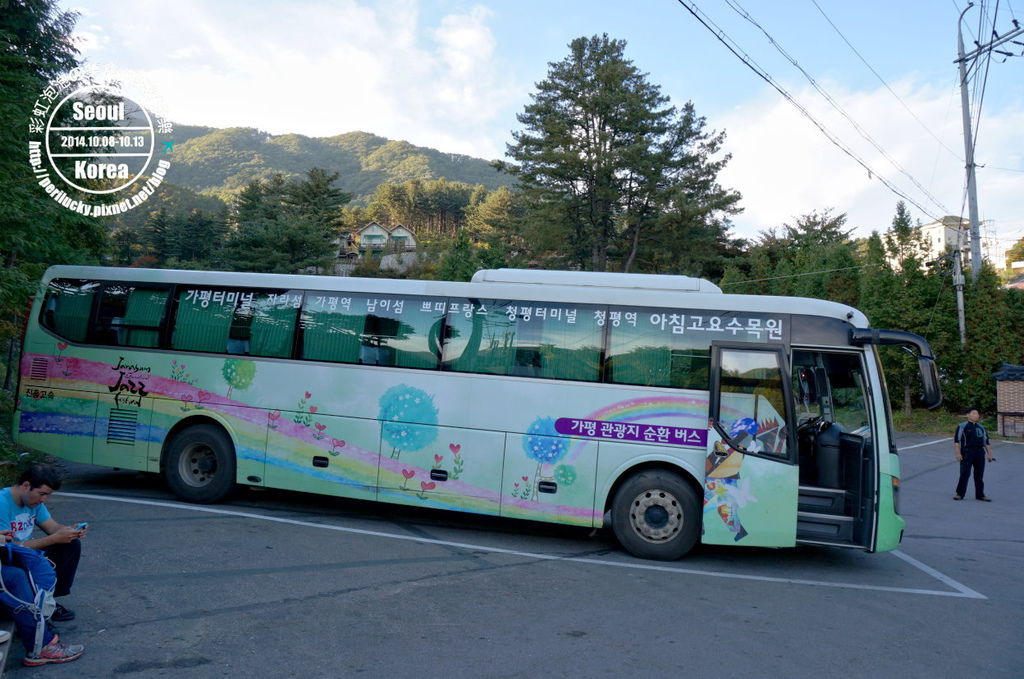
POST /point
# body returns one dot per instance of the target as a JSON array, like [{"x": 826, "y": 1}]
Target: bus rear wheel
[
  {"x": 656, "y": 515},
  {"x": 200, "y": 464}
]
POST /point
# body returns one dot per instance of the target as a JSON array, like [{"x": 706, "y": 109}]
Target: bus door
[
  {"x": 751, "y": 475},
  {"x": 838, "y": 468}
]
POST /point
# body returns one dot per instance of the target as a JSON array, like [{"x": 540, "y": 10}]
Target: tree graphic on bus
[
  {"x": 403, "y": 412},
  {"x": 238, "y": 374},
  {"x": 543, "y": 445}
]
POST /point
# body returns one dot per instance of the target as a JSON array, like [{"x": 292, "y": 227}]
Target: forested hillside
[{"x": 221, "y": 162}]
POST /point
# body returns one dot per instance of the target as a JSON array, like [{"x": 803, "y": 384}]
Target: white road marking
[
  {"x": 967, "y": 591},
  {"x": 962, "y": 591},
  {"x": 929, "y": 443}
]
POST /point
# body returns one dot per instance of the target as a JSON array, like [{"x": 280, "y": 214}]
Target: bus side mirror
[
  {"x": 925, "y": 357},
  {"x": 930, "y": 380}
]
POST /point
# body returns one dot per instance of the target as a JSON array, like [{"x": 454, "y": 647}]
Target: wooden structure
[{"x": 1010, "y": 399}]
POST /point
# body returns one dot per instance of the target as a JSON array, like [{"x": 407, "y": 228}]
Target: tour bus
[{"x": 652, "y": 404}]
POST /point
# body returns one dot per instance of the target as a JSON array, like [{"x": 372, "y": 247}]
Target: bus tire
[
  {"x": 199, "y": 465},
  {"x": 656, "y": 515}
]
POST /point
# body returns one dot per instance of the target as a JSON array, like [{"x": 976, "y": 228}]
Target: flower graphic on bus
[
  {"x": 302, "y": 417},
  {"x": 543, "y": 444},
  {"x": 178, "y": 373},
  {"x": 403, "y": 412},
  {"x": 61, "y": 346},
  {"x": 457, "y": 465}
]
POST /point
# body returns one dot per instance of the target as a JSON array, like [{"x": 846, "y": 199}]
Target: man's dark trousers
[
  {"x": 65, "y": 561},
  {"x": 974, "y": 458}
]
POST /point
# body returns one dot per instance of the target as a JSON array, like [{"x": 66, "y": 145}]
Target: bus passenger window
[
  {"x": 527, "y": 339},
  {"x": 266, "y": 320},
  {"x": 203, "y": 319},
  {"x": 391, "y": 330},
  {"x": 67, "y": 308},
  {"x": 646, "y": 347},
  {"x": 130, "y": 315}
]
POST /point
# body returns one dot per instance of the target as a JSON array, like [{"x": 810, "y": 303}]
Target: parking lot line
[
  {"x": 961, "y": 591},
  {"x": 967, "y": 591},
  {"x": 927, "y": 443}
]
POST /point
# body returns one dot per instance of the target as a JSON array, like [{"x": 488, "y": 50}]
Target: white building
[
  {"x": 375, "y": 237},
  {"x": 950, "y": 233}
]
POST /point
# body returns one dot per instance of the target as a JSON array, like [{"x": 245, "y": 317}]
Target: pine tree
[{"x": 611, "y": 172}]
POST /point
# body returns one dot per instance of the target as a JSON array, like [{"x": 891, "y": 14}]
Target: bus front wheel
[
  {"x": 656, "y": 515},
  {"x": 200, "y": 464}
]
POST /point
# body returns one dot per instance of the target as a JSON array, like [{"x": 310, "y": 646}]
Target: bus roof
[
  {"x": 600, "y": 279},
  {"x": 679, "y": 292}
]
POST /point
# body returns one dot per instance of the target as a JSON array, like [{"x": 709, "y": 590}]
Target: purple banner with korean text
[{"x": 629, "y": 431}]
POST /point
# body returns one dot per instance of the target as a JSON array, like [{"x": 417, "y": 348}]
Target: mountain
[{"x": 220, "y": 162}]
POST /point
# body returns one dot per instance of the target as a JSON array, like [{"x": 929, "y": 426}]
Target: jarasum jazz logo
[{"x": 94, "y": 148}]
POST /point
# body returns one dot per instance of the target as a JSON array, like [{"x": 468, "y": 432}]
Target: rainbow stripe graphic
[{"x": 681, "y": 411}]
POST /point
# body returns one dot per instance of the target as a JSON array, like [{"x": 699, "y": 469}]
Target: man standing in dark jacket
[{"x": 970, "y": 441}]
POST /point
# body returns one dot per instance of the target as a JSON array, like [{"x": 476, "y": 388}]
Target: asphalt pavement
[{"x": 285, "y": 584}]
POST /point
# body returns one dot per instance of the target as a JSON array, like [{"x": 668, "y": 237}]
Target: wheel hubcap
[
  {"x": 197, "y": 465},
  {"x": 656, "y": 515}
]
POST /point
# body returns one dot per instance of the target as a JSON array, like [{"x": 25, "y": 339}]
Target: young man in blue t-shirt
[{"x": 22, "y": 508}]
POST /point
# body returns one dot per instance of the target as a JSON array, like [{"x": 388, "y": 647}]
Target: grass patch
[{"x": 937, "y": 422}]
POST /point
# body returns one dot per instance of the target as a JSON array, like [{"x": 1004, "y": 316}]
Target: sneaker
[
  {"x": 61, "y": 614},
  {"x": 958, "y": 497},
  {"x": 54, "y": 652},
  {"x": 985, "y": 498}
]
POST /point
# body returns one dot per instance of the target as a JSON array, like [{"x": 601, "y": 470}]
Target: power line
[
  {"x": 730, "y": 45},
  {"x": 735, "y": 6},
  {"x": 882, "y": 80},
  {"x": 984, "y": 82},
  {"x": 797, "y": 275}
]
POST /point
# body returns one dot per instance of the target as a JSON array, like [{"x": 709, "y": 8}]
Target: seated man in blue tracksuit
[{"x": 27, "y": 594}]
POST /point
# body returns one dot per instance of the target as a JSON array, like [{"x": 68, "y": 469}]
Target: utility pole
[
  {"x": 972, "y": 188},
  {"x": 956, "y": 258},
  {"x": 958, "y": 283}
]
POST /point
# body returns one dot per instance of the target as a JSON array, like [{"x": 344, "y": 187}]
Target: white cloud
[
  {"x": 785, "y": 167},
  {"x": 89, "y": 40},
  {"x": 324, "y": 68}
]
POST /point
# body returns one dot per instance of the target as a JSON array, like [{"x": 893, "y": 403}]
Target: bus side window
[
  {"x": 526, "y": 339},
  {"x": 332, "y": 326},
  {"x": 270, "y": 317},
  {"x": 203, "y": 319},
  {"x": 652, "y": 347},
  {"x": 130, "y": 315},
  {"x": 398, "y": 330},
  {"x": 67, "y": 308}
]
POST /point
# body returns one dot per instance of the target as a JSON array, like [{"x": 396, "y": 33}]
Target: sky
[{"x": 453, "y": 74}]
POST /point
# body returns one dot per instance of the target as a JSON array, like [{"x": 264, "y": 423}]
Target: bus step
[
  {"x": 822, "y": 500},
  {"x": 824, "y": 526}
]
